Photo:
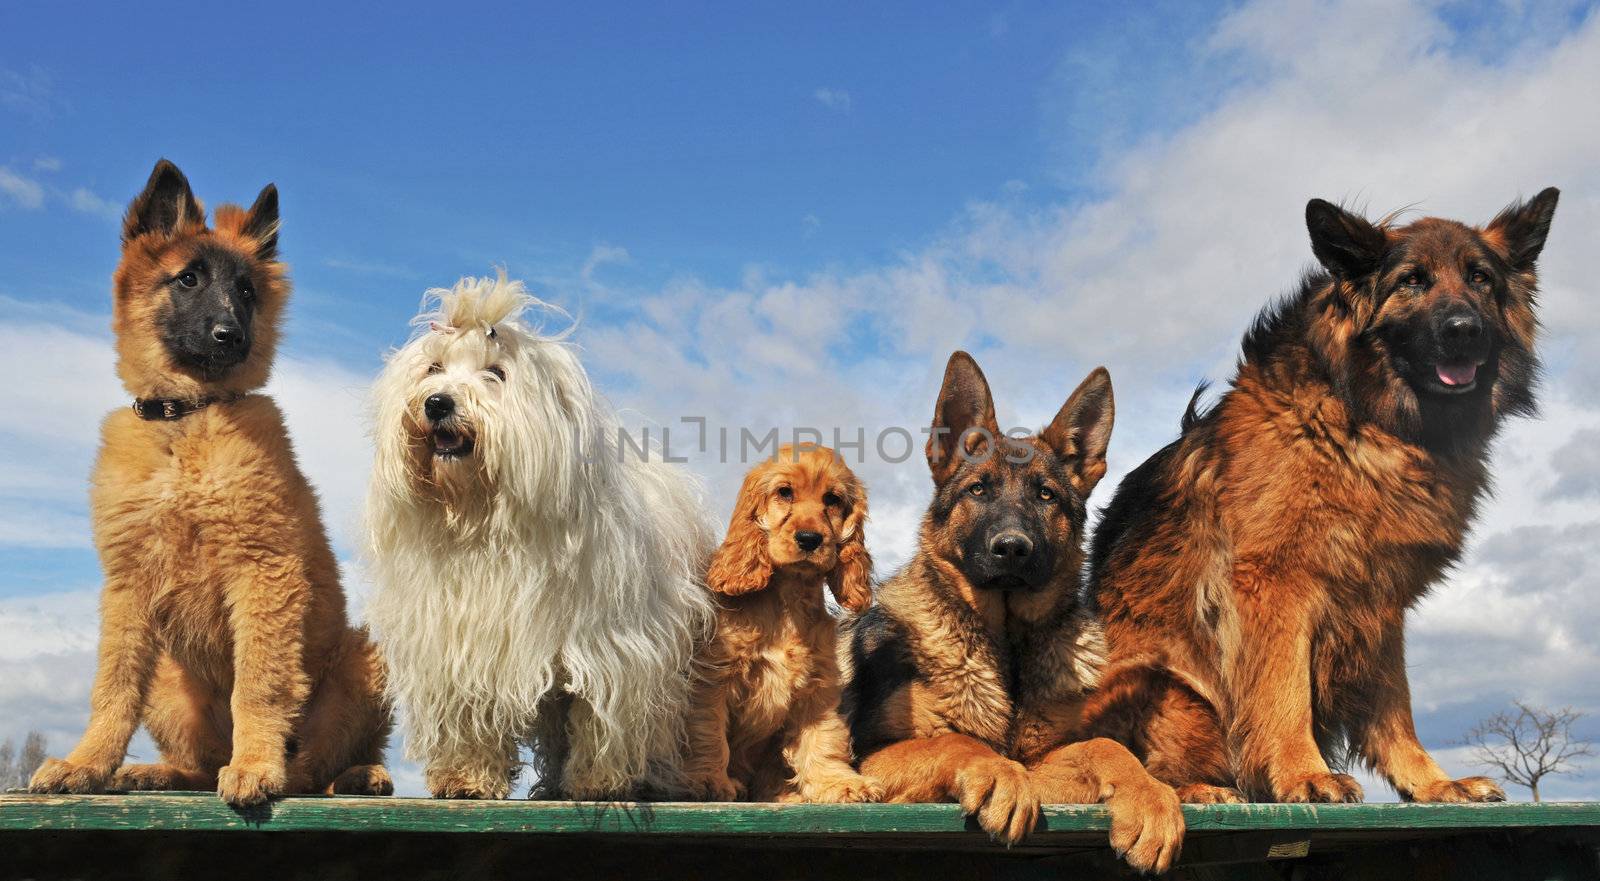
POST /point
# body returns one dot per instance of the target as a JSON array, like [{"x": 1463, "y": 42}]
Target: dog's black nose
[
  {"x": 1011, "y": 547},
  {"x": 437, "y": 407},
  {"x": 228, "y": 334},
  {"x": 808, "y": 541},
  {"x": 1462, "y": 327}
]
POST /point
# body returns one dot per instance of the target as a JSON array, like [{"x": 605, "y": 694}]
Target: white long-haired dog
[{"x": 534, "y": 586}]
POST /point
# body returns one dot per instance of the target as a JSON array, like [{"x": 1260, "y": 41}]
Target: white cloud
[
  {"x": 833, "y": 99},
  {"x": 21, "y": 191},
  {"x": 47, "y": 163},
  {"x": 84, "y": 201}
]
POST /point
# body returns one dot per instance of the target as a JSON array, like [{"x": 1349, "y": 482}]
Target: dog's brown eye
[
  {"x": 975, "y": 489},
  {"x": 435, "y": 368},
  {"x": 1412, "y": 280},
  {"x": 830, "y": 500},
  {"x": 188, "y": 279},
  {"x": 1046, "y": 493},
  {"x": 247, "y": 291},
  {"x": 1479, "y": 277},
  {"x": 497, "y": 371},
  {"x": 785, "y": 492}
]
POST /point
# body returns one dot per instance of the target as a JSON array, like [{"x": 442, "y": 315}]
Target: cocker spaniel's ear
[
  {"x": 851, "y": 578},
  {"x": 741, "y": 565}
]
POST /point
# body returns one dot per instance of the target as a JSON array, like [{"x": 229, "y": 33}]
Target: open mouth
[
  {"x": 1456, "y": 378},
  {"x": 1006, "y": 582},
  {"x": 450, "y": 444}
]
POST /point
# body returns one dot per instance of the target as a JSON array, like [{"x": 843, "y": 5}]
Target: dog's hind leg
[
  {"x": 598, "y": 767},
  {"x": 188, "y": 721},
  {"x": 341, "y": 740},
  {"x": 1169, "y": 727},
  {"x": 121, "y": 682}
]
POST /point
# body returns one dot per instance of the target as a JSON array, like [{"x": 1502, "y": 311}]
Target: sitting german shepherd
[
  {"x": 1254, "y": 576},
  {"x": 967, "y": 681}
]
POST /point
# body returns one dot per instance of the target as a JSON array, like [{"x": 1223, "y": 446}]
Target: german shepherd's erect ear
[
  {"x": 261, "y": 223},
  {"x": 1349, "y": 246},
  {"x": 1522, "y": 228},
  {"x": 964, "y": 424},
  {"x": 166, "y": 205},
  {"x": 1081, "y": 432}
]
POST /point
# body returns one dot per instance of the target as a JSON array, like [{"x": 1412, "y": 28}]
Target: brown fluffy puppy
[
  {"x": 765, "y": 722},
  {"x": 1254, "y": 576},
  {"x": 222, "y": 623}
]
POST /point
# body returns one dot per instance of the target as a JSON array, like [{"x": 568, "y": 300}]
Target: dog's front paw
[
  {"x": 1206, "y": 794},
  {"x": 1463, "y": 790},
  {"x": 453, "y": 784},
  {"x": 1146, "y": 825},
  {"x": 1319, "y": 787},
  {"x": 998, "y": 793},
  {"x": 853, "y": 789},
  {"x": 59, "y": 777},
  {"x": 246, "y": 784}
]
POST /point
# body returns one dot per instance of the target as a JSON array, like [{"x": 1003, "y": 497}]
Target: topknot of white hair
[{"x": 482, "y": 304}]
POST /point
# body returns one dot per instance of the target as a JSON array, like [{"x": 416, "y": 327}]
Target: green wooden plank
[{"x": 206, "y": 812}]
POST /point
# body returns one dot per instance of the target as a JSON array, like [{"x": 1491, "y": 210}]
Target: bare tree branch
[{"x": 1526, "y": 746}]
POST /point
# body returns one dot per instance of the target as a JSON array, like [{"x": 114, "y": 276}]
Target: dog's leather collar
[{"x": 167, "y": 409}]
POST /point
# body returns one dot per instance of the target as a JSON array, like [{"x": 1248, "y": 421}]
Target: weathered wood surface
[
  {"x": 204, "y": 811},
  {"x": 193, "y": 835}
]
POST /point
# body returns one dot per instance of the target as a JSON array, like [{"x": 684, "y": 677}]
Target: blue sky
[{"x": 775, "y": 215}]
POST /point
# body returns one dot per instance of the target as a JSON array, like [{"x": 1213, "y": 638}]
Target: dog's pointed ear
[
  {"x": 851, "y": 578},
  {"x": 166, "y": 204},
  {"x": 1081, "y": 432},
  {"x": 1523, "y": 226},
  {"x": 1347, "y": 245},
  {"x": 964, "y": 424},
  {"x": 261, "y": 223},
  {"x": 741, "y": 564}
]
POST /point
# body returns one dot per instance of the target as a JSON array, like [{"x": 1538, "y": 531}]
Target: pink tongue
[{"x": 1456, "y": 374}]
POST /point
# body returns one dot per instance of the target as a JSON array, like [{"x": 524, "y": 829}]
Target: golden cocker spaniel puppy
[{"x": 765, "y": 723}]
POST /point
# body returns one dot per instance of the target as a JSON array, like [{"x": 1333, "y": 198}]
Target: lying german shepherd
[
  {"x": 966, "y": 682},
  {"x": 1254, "y": 575}
]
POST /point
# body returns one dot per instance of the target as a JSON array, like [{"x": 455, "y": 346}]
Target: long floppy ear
[
  {"x": 1081, "y": 432},
  {"x": 1348, "y": 246},
  {"x": 1523, "y": 227},
  {"x": 741, "y": 564},
  {"x": 851, "y": 579},
  {"x": 166, "y": 204},
  {"x": 963, "y": 418},
  {"x": 261, "y": 223}
]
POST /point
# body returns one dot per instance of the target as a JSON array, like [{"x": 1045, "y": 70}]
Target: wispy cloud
[
  {"x": 369, "y": 267},
  {"x": 47, "y": 163},
  {"x": 85, "y": 201},
  {"x": 21, "y": 191},
  {"x": 833, "y": 99},
  {"x": 31, "y": 92}
]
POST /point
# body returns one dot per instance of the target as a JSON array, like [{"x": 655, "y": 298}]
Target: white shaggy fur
[{"x": 542, "y": 590}]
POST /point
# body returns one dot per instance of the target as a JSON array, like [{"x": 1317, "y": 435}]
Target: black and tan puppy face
[
  {"x": 1448, "y": 307},
  {"x": 196, "y": 308},
  {"x": 1008, "y": 512}
]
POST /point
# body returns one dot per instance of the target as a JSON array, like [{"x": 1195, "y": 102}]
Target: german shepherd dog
[
  {"x": 967, "y": 681},
  {"x": 1254, "y": 575},
  {"x": 222, "y": 623}
]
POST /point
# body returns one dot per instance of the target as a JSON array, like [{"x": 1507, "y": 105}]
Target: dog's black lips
[
  {"x": 450, "y": 444},
  {"x": 1006, "y": 582}
]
